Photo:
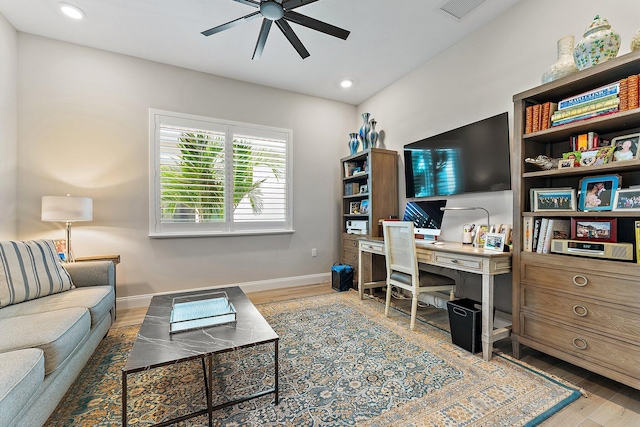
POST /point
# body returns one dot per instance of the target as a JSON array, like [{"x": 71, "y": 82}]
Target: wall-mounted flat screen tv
[{"x": 473, "y": 158}]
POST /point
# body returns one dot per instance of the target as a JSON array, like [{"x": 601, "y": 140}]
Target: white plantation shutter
[{"x": 214, "y": 177}]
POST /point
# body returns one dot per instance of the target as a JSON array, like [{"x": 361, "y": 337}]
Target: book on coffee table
[{"x": 201, "y": 311}]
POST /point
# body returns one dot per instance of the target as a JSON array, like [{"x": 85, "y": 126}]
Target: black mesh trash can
[
  {"x": 341, "y": 277},
  {"x": 465, "y": 321}
]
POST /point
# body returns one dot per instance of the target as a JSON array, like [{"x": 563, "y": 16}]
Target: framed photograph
[
  {"x": 354, "y": 207},
  {"x": 479, "y": 238},
  {"x": 364, "y": 206},
  {"x": 598, "y": 229},
  {"x": 589, "y": 158},
  {"x": 494, "y": 242},
  {"x": 565, "y": 163},
  {"x": 626, "y": 147},
  {"x": 627, "y": 199},
  {"x": 573, "y": 155},
  {"x": 554, "y": 199},
  {"x": 364, "y": 189},
  {"x": 61, "y": 249},
  {"x": 596, "y": 192}
]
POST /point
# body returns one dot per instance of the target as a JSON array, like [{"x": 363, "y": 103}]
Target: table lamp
[
  {"x": 473, "y": 208},
  {"x": 67, "y": 209}
]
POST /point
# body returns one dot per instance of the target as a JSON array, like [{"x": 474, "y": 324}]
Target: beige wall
[
  {"x": 8, "y": 130},
  {"x": 477, "y": 78},
  {"x": 83, "y": 125}
]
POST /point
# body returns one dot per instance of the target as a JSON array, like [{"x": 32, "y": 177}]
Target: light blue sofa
[{"x": 45, "y": 342}]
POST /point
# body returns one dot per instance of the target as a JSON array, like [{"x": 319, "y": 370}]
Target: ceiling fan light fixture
[
  {"x": 346, "y": 83},
  {"x": 71, "y": 11}
]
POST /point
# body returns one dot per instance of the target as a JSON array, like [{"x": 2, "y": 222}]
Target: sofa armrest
[{"x": 92, "y": 273}]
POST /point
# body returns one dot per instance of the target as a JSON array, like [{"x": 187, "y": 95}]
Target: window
[{"x": 215, "y": 177}]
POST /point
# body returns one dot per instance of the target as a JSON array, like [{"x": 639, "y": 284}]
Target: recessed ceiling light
[
  {"x": 71, "y": 11},
  {"x": 346, "y": 83}
]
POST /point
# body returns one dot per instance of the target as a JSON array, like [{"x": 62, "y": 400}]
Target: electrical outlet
[{"x": 314, "y": 252}]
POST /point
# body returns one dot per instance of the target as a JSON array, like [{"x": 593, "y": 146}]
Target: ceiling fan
[{"x": 280, "y": 11}]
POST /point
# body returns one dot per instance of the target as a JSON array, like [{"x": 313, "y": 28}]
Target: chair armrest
[{"x": 91, "y": 273}]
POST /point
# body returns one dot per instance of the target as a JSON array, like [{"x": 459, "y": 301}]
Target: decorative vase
[
  {"x": 565, "y": 64},
  {"x": 364, "y": 130},
  {"x": 600, "y": 43},
  {"x": 635, "y": 41},
  {"x": 353, "y": 143},
  {"x": 373, "y": 135}
]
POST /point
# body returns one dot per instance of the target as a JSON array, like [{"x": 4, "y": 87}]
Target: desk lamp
[
  {"x": 67, "y": 209},
  {"x": 474, "y": 208}
]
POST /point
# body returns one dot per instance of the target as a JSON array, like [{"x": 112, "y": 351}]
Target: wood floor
[{"x": 609, "y": 403}]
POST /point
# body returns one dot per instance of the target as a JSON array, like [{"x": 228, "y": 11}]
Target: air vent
[{"x": 460, "y": 8}]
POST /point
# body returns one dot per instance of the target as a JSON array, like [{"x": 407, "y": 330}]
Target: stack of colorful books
[{"x": 594, "y": 103}]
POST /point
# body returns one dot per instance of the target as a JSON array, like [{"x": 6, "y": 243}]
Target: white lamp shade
[{"x": 67, "y": 208}]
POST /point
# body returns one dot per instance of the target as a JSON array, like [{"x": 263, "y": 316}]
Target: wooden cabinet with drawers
[
  {"x": 369, "y": 193},
  {"x": 582, "y": 310}
]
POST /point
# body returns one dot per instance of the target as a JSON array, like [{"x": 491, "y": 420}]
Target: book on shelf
[
  {"x": 632, "y": 89},
  {"x": 548, "y": 109},
  {"x": 637, "y": 230},
  {"x": 588, "y": 107},
  {"x": 556, "y": 229},
  {"x": 535, "y": 118},
  {"x": 536, "y": 234},
  {"x": 527, "y": 233},
  {"x": 601, "y": 92},
  {"x": 624, "y": 95},
  {"x": 542, "y": 232},
  {"x": 586, "y": 116},
  {"x": 528, "y": 119}
]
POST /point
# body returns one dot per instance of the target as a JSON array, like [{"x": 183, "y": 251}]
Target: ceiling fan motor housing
[{"x": 271, "y": 10}]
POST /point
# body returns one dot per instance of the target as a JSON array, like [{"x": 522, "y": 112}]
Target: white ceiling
[{"x": 389, "y": 38}]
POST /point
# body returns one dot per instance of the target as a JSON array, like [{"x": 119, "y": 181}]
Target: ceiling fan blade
[
  {"x": 262, "y": 38},
  {"x": 293, "y": 39},
  {"x": 253, "y": 3},
  {"x": 292, "y": 4},
  {"x": 230, "y": 24},
  {"x": 314, "y": 24}
]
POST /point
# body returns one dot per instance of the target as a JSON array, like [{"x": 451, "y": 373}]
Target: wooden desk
[{"x": 457, "y": 257}]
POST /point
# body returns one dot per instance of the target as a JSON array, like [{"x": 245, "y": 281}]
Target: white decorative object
[
  {"x": 600, "y": 43},
  {"x": 635, "y": 41},
  {"x": 565, "y": 64}
]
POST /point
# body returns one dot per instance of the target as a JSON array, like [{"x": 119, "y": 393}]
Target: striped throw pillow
[{"x": 30, "y": 269}]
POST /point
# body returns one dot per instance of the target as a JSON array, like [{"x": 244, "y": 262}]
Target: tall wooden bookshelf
[
  {"x": 585, "y": 311},
  {"x": 369, "y": 177}
]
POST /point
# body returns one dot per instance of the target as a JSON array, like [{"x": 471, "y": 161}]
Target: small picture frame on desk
[
  {"x": 480, "y": 236},
  {"x": 494, "y": 242}
]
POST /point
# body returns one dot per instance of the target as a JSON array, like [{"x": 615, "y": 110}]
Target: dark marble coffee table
[{"x": 155, "y": 347}]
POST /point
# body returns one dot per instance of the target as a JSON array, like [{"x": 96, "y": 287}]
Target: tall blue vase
[
  {"x": 364, "y": 130},
  {"x": 353, "y": 143},
  {"x": 373, "y": 135}
]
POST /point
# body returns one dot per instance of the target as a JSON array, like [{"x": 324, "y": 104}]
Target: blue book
[{"x": 612, "y": 89}]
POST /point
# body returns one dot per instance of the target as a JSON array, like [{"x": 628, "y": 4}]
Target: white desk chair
[{"x": 402, "y": 267}]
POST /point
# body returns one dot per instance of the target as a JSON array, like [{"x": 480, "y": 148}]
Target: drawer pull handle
[
  {"x": 580, "y": 280},
  {"x": 580, "y": 310},
  {"x": 454, "y": 261},
  {"x": 580, "y": 343}
]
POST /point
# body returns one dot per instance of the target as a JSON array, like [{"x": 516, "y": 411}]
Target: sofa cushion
[
  {"x": 57, "y": 333},
  {"x": 97, "y": 299},
  {"x": 21, "y": 373},
  {"x": 30, "y": 269}
]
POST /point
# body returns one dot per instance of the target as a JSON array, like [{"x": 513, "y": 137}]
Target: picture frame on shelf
[
  {"x": 354, "y": 208},
  {"x": 572, "y": 155},
  {"x": 595, "y": 229},
  {"x": 364, "y": 206},
  {"x": 565, "y": 163},
  {"x": 494, "y": 242},
  {"x": 554, "y": 200},
  {"x": 627, "y": 199},
  {"x": 626, "y": 147},
  {"x": 588, "y": 158},
  {"x": 479, "y": 238},
  {"x": 364, "y": 189},
  {"x": 597, "y": 192}
]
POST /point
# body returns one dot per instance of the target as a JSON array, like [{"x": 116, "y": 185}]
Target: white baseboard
[{"x": 137, "y": 301}]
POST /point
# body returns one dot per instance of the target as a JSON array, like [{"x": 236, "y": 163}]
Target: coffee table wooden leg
[
  {"x": 277, "y": 345},
  {"x": 124, "y": 399}
]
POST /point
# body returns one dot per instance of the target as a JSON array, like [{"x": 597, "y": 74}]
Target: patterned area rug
[{"x": 341, "y": 363}]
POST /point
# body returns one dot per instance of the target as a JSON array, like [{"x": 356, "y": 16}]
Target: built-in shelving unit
[{"x": 582, "y": 310}]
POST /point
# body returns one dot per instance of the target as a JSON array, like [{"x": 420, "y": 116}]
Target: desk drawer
[
  {"x": 615, "y": 355},
  {"x": 443, "y": 259},
  {"x": 610, "y": 319},
  {"x": 376, "y": 248},
  {"x": 350, "y": 256}
]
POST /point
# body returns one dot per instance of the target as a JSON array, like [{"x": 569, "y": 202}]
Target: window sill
[{"x": 179, "y": 235}]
